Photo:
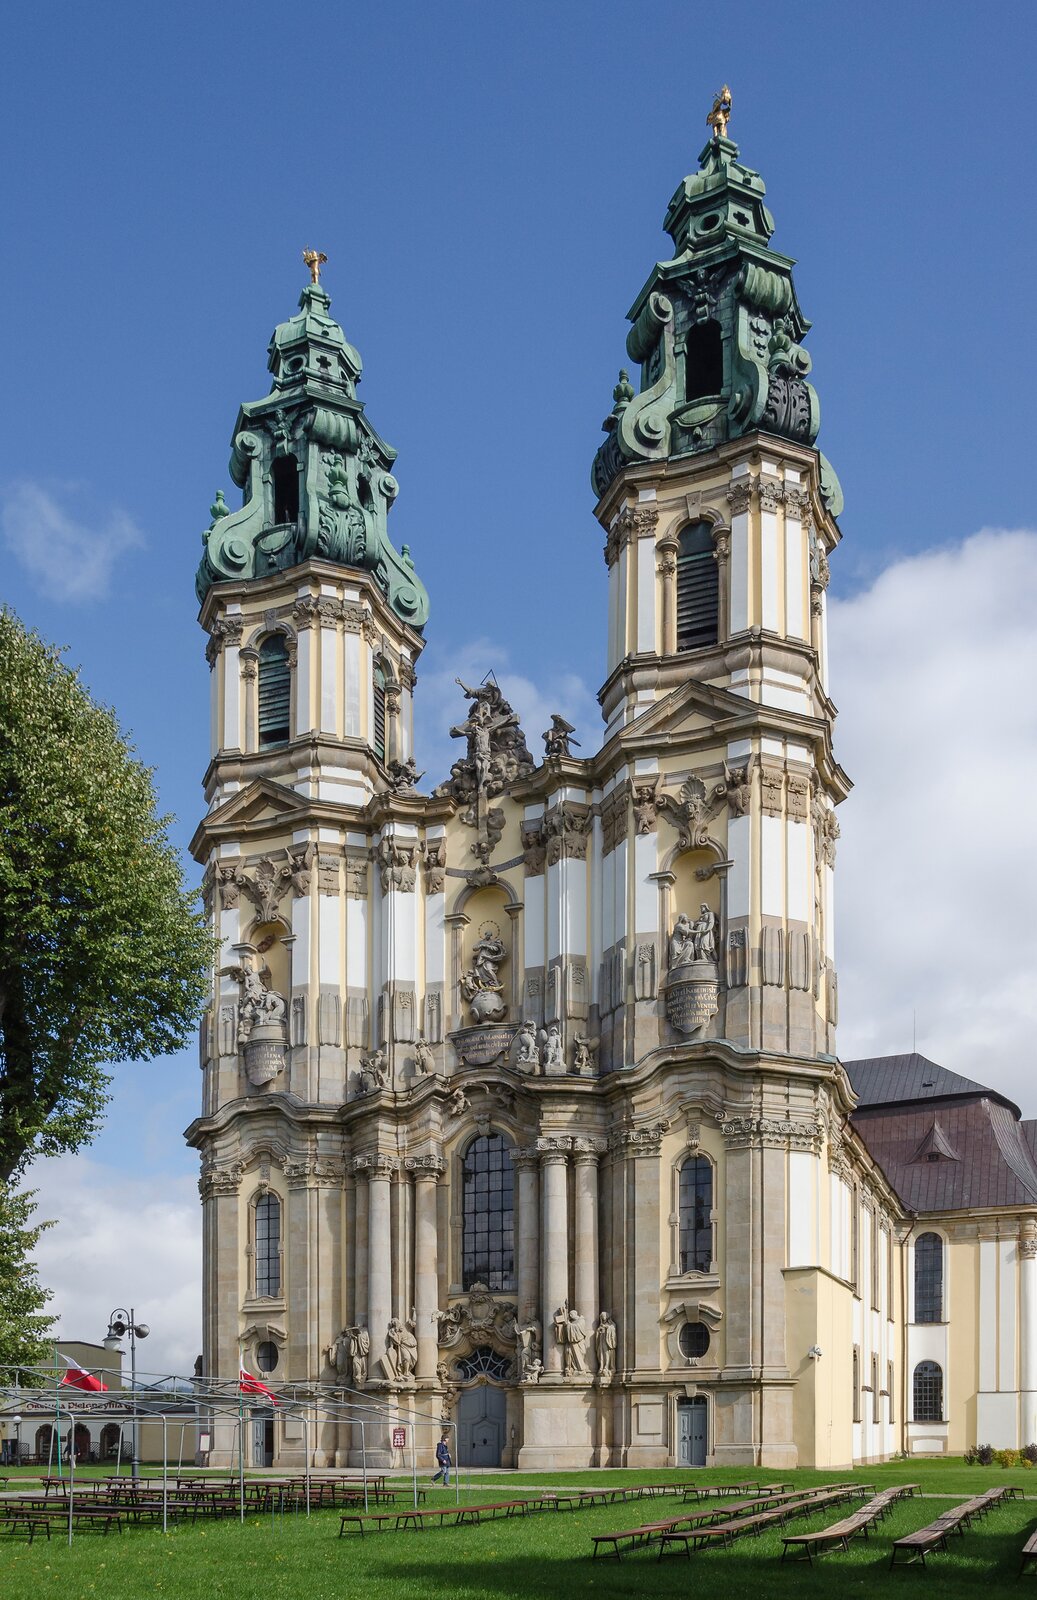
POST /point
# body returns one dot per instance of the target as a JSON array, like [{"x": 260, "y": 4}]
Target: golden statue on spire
[
  {"x": 314, "y": 259},
  {"x": 720, "y": 115}
]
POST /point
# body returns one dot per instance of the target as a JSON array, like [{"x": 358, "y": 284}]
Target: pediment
[
  {"x": 261, "y": 801},
  {"x": 692, "y": 707}
]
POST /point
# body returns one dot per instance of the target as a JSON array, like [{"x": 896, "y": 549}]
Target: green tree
[
  {"x": 102, "y": 956},
  {"x": 25, "y": 1328}
]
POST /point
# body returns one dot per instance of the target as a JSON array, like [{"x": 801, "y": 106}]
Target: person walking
[{"x": 443, "y": 1458}]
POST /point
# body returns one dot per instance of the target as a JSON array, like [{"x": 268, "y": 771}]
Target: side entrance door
[
  {"x": 692, "y": 1443},
  {"x": 262, "y": 1439},
  {"x": 481, "y": 1420}
]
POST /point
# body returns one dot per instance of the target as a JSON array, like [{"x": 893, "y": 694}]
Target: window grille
[
  {"x": 488, "y": 1238},
  {"x": 698, "y": 588},
  {"x": 484, "y": 1361},
  {"x": 378, "y": 731},
  {"x": 696, "y": 1224},
  {"x": 928, "y": 1392},
  {"x": 929, "y": 1278},
  {"x": 693, "y": 1340},
  {"x": 268, "y": 1246},
  {"x": 275, "y": 691}
]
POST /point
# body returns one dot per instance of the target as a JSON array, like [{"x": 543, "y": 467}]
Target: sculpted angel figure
[
  {"x": 558, "y": 737},
  {"x": 526, "y": 1052},
  {"x": 584, "y": 1052},
  {"x": 720, "y": 115}
]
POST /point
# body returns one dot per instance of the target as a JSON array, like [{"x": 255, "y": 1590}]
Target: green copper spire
[
  {"x": 717, "y": 331},
  {"x": 316, "y": 478}
]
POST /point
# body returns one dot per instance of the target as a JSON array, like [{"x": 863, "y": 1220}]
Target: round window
[
  {"x": 694, "y": 1340},
  {"x": 267, "y": 1355}
]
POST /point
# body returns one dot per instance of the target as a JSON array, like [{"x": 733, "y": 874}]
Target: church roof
[
  {"x": 945, "y": 1142},
  {"x": 894, "y": 1080}
]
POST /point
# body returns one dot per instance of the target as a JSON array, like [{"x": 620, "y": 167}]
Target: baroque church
[{"x": 521, "y": 1101}]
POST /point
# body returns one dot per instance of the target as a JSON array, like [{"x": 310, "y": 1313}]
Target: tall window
[
  {"x": 889, "y": 1391},
  {"x": 378, "y": 731},
  {"x": 275, "y": 691},
  {"x": 856, "y": 1384},
  {"x": 696, "y": 1223},
  {"x": 704, "y": 362},
  {"x": 268, "y": 1246},
  {"x": 286, "y": 489},
  {"x": 488, "y": 1240},
  {"x": 698, "y": 588},
  {"x": 876, "y": 1406},
  {"x": 928, "y": 1392},
  {"x": 929, "y": 1278}
]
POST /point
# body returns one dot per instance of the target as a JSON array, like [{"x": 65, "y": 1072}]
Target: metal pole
[
  {"x": 306, "y": 1446},
  {"x": 414, "y": 1457},
  {"x": 135, "y": 1464},
  {"x": 165, "y": 1476},
  {"x": 457, "y": 1471},
  {"x": 71, "y": 1476}
]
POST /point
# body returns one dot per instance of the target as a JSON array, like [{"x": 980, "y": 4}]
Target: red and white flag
[
  {"x": 250, "y": 1385},
  {"x": 77, "y": 1377}
]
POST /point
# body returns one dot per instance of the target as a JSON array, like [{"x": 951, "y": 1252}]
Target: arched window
[
  {"x": 695, "y": 1206},
  {"x": 286, "y": 489},
  {"x": 275, "y": 691},
  {"x": 378, "y": 731},
  {"x": 698, "y": 588},
  {"x": 488, "y": 1239},
  {"x": 268, "y": 1246},
  {"x": 704, "y": 362},
  {"x": 929, "y": 1278},
  {"x": 928, "y": 1392}
]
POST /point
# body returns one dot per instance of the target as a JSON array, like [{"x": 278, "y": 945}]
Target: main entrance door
[
  {"x": 691, "y": 1432},
  {"x": 481, "y": 1420}
]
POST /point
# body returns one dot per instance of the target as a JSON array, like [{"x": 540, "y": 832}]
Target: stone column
[
  {"x": 1028, "y": 1333},
  {"x": 555, "y": 1256},
  {"x": 666, "y": 566},
  {"x": 426, "y": 1171},
  {"x": 379, "y": 1258},
  {"x": 585, "y": 1159},
  {"x": 527, "y": 1164}
]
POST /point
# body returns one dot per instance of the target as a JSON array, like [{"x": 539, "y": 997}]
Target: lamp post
[{"x": 120, "y": 1323}]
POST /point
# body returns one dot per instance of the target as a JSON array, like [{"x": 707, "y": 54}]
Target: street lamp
[{"x": 120, "y": 1323}]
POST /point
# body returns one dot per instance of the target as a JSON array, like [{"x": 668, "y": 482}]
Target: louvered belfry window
[
  {"x": 275, "y": 691},
  {"x": 378, "y": 731},
  {"x": 698, "y": 588}
]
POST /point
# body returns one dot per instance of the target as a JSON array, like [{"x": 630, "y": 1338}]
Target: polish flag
[
  {"x": 250, "y": 1385},
  {"x": 77, "y": 1377}
]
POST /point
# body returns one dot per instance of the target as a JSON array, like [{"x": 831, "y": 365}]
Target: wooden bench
[
  {"x": 1029, "y": 1555},
  {"x": 31, "y": 1522},
  {"x": 420, "y": 1518},
  {"x": 840, "y": 1533},
  {"x": 916, "y": 1546}
]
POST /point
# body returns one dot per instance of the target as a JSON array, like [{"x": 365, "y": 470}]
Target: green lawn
[{"x": 538, "y": 1556}]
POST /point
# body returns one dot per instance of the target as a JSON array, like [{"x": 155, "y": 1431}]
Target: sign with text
[{"x": 399, "y": 1438}]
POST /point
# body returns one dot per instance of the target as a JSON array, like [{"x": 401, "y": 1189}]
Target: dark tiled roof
[
  {"x": 996, "y": 1165},
  {"x": 892, "y": 1080}
]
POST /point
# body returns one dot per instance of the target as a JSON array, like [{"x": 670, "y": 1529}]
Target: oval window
[
  {"x": 267, "y": 1356},
  {"x": 694, "y": 1340}
]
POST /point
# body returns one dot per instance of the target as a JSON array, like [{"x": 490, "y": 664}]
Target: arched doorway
[
  {"x": 77, "y": 1440},
  {"x": 481, "y": 1426},
  {"x": 692, "y": 1432},
  {"x": 45, "y": 1443}
]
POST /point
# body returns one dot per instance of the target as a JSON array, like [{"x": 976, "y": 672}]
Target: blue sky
[{"x": 489, "y": 183}]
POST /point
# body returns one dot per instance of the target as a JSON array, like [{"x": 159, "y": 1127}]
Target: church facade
[{"x": 521, "y": 1098}]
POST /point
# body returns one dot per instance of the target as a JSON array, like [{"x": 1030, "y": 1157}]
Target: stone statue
[
  {"x": 526, "y": 1052},
  {"x": 349, "y": 1354},
  {"x": 443, "y": 1374},
  {"x": 527, "y": 1339},
  {"x": 558, "y": 738},
  {"x": 536, "y": 1372},
  {"x": 584, "y": 1053},
  {"x": 401, "y": 1349},
  {"x": 403, "y": 774},
  {"x": 682, "y": 943},
  {"x": 605, "y": 1346},
  {"x": 720, "y": 115},
  {"x": 260, "y": 1006},
  {"x": 424, "y": 1060},
  {"x": 552, "y": 1053},
  {"x": 481, "y": 985},
  {"x": 374, "y": 1072},
  {"x": 704, "y": 933},
  {"x": 459, "y": 1103},
  {"x": 571, "y": 1333}
]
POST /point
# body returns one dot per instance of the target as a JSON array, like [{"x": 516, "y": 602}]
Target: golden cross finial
[
  {"x": 720, "y": 115},
  {"x": 314, "y": 259}
]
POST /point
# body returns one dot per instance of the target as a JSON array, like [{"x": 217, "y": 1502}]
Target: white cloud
[
  {"x": 440, "y": 705},
  {"x": 66, "y": 559},
  {"x": 122, "y": 1241},
  {"x": 934, "y": 669}
]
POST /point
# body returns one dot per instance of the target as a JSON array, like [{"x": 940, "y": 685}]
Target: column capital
[
  {"x": 639, "y": 1141},
  {"x": 375, "y": 1165},
  {"x": 425, "y": 1167},
  {"x": 553, "y": 1149},
  {"x": 526, "y": 1158},
  {"x": 586, "y": 1150}
]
